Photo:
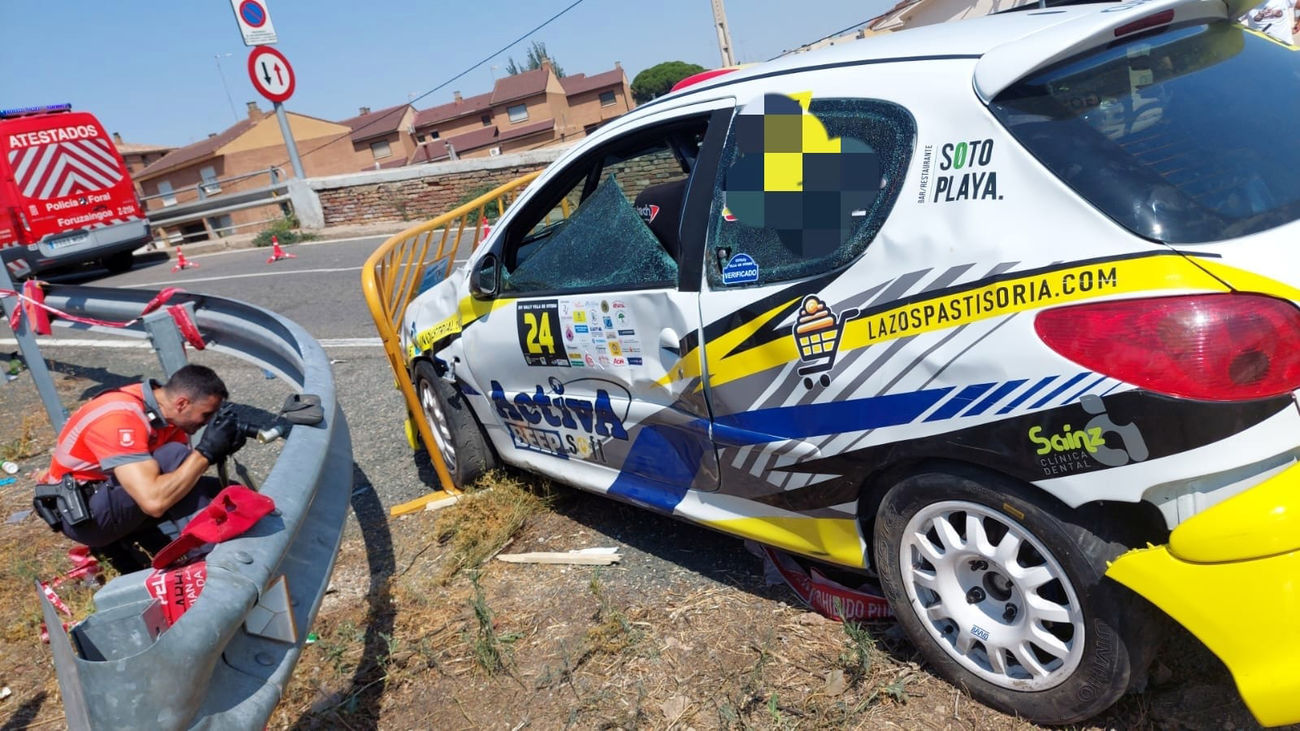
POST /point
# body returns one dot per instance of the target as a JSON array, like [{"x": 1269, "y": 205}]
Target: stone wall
[{"x": 421, "y": 192}]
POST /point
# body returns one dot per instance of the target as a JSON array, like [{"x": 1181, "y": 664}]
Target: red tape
[
  {"x": 31, "y": 302},
  {"x": 185, "y": 323}
]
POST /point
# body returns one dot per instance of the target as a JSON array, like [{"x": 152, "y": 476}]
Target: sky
[{"x": 153, "y": 70}]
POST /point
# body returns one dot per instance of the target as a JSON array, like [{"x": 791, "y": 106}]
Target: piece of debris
[
  {"x": 673, "y": 708},
  {"x": 582, "y": 556},
  {"x": 18, "y": 517},
  {"x": 835, "y": 683},
  {"x": 9, "y": 467},
  {"x": 5, "y": 693}
]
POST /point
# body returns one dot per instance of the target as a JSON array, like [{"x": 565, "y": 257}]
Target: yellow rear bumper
[{"x": 1231, "y": 576}]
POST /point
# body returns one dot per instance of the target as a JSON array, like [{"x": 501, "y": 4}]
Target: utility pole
[{"x": 724, "y": 36}]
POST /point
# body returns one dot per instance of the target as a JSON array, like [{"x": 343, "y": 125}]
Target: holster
[{"x": 63, "y": 503}]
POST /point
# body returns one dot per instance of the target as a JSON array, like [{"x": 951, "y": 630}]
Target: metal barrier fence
[
  {"x": 208, "y": 670},
  {"x": 207, "y": 206},
  {"x": 392, "y": 276}
]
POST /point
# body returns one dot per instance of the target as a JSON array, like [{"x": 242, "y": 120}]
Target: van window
[
  {"x": 1183, "y": 137},
  {"x": 804, "y": 186}
]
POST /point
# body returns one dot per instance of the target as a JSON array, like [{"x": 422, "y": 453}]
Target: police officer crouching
[{"x": 123, "y": 463}]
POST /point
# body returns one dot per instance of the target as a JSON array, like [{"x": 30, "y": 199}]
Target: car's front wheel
[
  {"x": 1007, "y": 600},
  {"x": 459, "y": 438}
]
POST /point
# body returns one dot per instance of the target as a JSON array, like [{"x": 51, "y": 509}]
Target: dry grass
[
  {"x": 484, "y": 521},
  {"x": 26, "y": 444}
]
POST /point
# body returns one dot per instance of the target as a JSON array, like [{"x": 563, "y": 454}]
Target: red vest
[{"x": 108, "y": 431}]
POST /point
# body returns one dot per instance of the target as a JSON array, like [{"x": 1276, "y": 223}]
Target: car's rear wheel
[
  {"x": 119, "y": 262},
  {"x": 1007, "y": 600},
  {"x": 459, "y": 438}
]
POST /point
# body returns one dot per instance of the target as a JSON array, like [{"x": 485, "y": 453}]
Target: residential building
[
  {"x": 522, "y": 112},
  {"x": 241, "y": 157},
  {"x": 138, "y": 156},
  {"x": 384, "y": 138}
]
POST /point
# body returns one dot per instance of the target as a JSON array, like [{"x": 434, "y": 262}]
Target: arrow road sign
[
  {"x": 271, "y": 73},
  {"x": 254, "y": 22}
]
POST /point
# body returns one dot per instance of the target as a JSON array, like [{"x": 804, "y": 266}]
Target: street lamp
[{"x": 222, "y": 74}]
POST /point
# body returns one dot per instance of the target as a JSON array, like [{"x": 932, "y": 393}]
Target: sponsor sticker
[
  {"x": 538, "y": 324},
  {"x": 740, "y": 269}
]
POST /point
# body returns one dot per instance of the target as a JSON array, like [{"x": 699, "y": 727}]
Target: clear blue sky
[{"x": 146, "y": 68}]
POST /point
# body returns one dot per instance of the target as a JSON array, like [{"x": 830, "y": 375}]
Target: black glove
[{"x": 222, "y": 437}]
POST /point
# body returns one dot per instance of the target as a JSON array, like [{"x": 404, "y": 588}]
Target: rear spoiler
[{"x": 1010, "y": 62}]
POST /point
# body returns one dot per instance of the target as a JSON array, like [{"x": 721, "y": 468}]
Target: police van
[
  {"x": 1003, "y": 311},
  {"x": 65, "y": 194}
]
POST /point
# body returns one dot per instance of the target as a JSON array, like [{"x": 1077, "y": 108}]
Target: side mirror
[{"x": 484, "y": 280}]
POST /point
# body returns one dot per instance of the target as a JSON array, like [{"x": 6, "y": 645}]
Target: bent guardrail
[
  {"x": 392, "y": 277},
  {"x": 207, "y": 670}
]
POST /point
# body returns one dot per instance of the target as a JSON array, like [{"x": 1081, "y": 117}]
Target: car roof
[{"x": 1009, "y": 45}]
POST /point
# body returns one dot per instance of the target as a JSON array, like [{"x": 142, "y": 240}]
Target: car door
[
  {"x": 803, "y": 186},
  {"x": 581, "y": 354}
]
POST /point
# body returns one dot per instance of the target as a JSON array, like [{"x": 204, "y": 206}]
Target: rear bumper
[
  {"x": 53, "y": 251},
  {"x": 1231, "y": 576}
]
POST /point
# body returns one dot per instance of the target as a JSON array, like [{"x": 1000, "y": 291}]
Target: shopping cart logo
[{"x": 817, "y": 334}]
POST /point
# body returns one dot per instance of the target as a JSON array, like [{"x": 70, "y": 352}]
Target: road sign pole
[{"x": 289, "y": 142}]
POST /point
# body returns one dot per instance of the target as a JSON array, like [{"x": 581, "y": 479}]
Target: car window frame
[
  {"x": 890, "y": 195},
  {"x": 715, "y": 113}
]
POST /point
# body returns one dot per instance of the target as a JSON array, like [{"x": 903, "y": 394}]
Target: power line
[{"x": 496, "y": 53}]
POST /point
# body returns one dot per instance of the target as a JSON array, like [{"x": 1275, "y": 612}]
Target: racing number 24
[
  {"x": 538, "y": 323},
  {"x": 539, "y": 338}
]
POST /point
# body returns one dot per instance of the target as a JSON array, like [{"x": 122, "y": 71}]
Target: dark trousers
[{"x": 114, "y": 514}]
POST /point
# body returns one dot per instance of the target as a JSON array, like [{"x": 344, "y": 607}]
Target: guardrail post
[
  {"x": 167, "y": 340},
  {"x": 306, "y": 204},
  {"x": 32, "y": 354}
]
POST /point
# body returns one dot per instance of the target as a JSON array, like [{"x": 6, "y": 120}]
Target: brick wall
[{"x": 419, "y": 193}]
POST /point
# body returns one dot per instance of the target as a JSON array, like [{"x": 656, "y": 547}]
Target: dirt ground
[{"x": 422, "y": 629}]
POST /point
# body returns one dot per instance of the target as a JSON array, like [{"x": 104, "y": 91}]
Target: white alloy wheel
[
  {"x": 437, "y": 419},
  {"x": 992, "y": 595}
]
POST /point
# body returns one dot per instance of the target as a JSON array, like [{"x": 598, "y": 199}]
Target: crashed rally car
[{"x": 1003, "y": 311}]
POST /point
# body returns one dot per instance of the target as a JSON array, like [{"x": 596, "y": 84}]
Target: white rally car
[{"x": 1002, "y": 310}]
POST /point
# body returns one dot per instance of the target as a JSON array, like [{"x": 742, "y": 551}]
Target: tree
[
  {"x": 536, "y": 55},
  {"x": 658, "y": 79}
]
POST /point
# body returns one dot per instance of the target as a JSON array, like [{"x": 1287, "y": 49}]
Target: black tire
[
  {"x": 947, "y": 599},
  {"x": 118, "y": 263},
  {"x": 464, "y": 446}
]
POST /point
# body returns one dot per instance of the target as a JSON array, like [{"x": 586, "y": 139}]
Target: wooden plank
[
  {"x": 421, "y": 503},
  {"x": 562, "y": 557}
]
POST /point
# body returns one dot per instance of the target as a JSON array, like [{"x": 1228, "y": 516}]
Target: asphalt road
[{"x": 320, "y": 290}]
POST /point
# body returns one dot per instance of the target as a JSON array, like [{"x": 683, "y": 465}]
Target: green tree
[
  {"x": 536, "y": 55},
  {"x": 658, "y": 79}
]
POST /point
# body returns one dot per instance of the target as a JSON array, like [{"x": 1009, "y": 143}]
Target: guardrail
[
  {"x": 392, "y": 277},
  {"x": 207, "y": 670},
  {"x": 203, "y": 209}
]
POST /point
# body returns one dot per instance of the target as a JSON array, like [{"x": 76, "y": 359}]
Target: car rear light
[
  {"x": 1155, "y": 20},
  {"x": 1216, "y": 347}
]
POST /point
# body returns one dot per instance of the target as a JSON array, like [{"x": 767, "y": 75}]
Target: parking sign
[{"x": 254, "y": 21}]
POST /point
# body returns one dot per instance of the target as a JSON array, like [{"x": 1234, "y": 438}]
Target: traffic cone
[
  {"x": 181, "y": 261},
  {"x": 483, "y": 223},
  {"x": 277, "y": 253}
]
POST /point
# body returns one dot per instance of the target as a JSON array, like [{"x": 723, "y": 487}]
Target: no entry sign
[
  {"x": 271, "y": 73},
  {"x": 254, "y": 22}
]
